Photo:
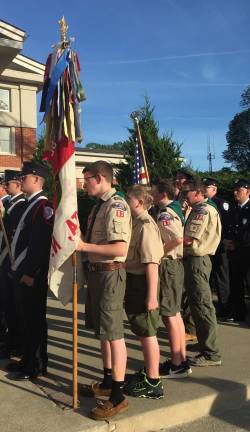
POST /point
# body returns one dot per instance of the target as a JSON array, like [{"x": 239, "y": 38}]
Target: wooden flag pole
[
  {"x": 134, "y": 116},
  {"x": 75, "y": 402}
]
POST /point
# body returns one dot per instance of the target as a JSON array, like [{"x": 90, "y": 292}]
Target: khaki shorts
[
  {"x": 143, "y": 323},
  {"x": 171, "y": 286},
  {"x": 104, "y": 303}
]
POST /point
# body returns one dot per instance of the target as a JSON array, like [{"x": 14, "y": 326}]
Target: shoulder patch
[
  {"x": 201, "y": 210},
  {"x": 119, "y": 206},
  {"x": 48, "y": 212},
  {"x": 225, "y": 205},
  {"x": 166, "y": 218}
]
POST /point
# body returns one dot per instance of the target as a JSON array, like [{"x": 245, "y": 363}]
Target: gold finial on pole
[{"x": 63, "y": 29}]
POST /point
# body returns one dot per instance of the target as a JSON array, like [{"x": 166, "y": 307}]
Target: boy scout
[
  {"x": 170, "y": 222},
  {"x": 141, "y": 298},
  {"x": 107, "y": 240},
  {"x": 201, "y": 238}
]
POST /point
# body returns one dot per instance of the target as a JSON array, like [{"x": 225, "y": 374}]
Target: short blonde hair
[{"x": 143, "y": 193}]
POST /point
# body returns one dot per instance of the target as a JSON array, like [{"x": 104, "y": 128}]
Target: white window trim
[
  {"x": 9, "y": 91},
  {"x": 12, "y": 142}
]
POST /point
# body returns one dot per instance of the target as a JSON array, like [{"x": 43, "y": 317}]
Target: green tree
[
  {"x": 163, "y": 154},
  {"x": 238, "y": 138},
  {"x": 116, "y": 146},
  {"x": 245, "y": 98}
]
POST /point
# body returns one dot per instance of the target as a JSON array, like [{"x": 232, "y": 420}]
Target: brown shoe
[
  {"x": 189, "y": 337},
  {"x": 94, "y": 390},
  {"x": 105, "y": 410}
]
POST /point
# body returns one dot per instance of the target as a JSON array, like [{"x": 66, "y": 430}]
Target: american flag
[{"x": 139, "y": 172}]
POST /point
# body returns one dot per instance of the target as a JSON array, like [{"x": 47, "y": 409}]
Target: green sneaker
[{"x": 143, "y": 389}]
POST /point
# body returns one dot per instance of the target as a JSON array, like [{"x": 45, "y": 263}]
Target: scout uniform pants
[{"x": 197, "y": 273}]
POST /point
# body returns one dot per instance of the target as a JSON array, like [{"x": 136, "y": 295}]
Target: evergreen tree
[{"x": 163, "y": 154}]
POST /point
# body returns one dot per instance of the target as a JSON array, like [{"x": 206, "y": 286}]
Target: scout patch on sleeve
[
  {"x": 119, "y": 206},
  {"x": 166, "y": 219},
  {"x": 119, "y": 213},
  {"x": 48, "y": 213}
]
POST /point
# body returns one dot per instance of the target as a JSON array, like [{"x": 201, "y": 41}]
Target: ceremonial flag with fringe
[{"x": 62, "y": 94}]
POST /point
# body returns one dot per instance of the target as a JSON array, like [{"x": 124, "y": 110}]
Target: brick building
[{"x": 21, "y": 78}]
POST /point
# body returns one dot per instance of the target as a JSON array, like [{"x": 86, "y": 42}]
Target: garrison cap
[
  {"x": 241, "y": 183},
  {"x": 208, "y": 181},
  {"x": 35, "y": 168},
  {"x": 10, "y": 175}
]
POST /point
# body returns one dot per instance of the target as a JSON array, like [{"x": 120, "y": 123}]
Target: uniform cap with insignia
[
  {"x": 241, "y": 183},
  {"x": 12, "y": 175},
  {"x": 208, "y": 181},
  {"x": 35, "y": 168},
  {"x": 2, "y": 180}
]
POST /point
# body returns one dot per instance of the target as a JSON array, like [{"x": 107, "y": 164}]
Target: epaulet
[
  {"x": 118, "y": 195},
  {"x": 176, "y": 207},
  {"x": 212, "y": 203}
]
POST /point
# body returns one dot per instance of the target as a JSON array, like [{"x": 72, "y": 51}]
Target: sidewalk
[{"x": 25, "y": 407}]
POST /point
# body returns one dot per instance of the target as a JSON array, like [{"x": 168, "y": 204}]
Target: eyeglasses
[{"x": 87, "y": 178}]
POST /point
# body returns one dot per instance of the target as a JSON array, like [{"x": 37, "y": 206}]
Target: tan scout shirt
[
  {"x": 112, "y": 223},
  {"x": 145, "y": 246},
  {"x": 171, "y": 228},
  {"x": 204, "y": 226}
]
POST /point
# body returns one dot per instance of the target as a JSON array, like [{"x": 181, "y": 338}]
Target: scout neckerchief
[{"x": 176, "y": 207}]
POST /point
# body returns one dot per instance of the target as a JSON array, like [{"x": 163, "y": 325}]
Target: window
[
  {"x": 4, "y": 100},
  {"x": 5, "y": 140}
]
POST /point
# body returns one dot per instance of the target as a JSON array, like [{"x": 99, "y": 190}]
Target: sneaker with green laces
[
  {"x": 135, "y": 377},
  {"x": 143, "y": 389}
]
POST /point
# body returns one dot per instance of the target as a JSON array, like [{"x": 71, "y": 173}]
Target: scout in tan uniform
[
  {"x": 141, "y": 299},
  {"x": 170, "y": 222},
  {"x": 106, "y": 243},
  {"x": 201, "y": 238}
]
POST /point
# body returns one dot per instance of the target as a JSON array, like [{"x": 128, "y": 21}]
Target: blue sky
[{"x": 191, "y": 57}]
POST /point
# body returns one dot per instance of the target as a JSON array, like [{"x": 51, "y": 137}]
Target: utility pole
[{"x": 210, "y": 155}]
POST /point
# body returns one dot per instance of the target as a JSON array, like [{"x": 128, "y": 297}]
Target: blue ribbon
[{"x": 57, "y": 72}]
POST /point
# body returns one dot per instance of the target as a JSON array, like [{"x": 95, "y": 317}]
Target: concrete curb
[{"x": 177, "y": 414}]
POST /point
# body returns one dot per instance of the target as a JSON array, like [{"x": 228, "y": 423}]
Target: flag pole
[
  {"x": 75, "y": 402},
  {"x": 135, "y": 117}
]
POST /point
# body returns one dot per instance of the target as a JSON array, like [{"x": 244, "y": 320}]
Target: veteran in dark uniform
[
  {"x": 106, "y": 243},
  {"x": 219, "y": 278},
  {"x": 30, "y": 249},
  {"x": 10, "y": 220},
  {"x": 202, "y": 236},
  {"x": 238, "y": 245}
]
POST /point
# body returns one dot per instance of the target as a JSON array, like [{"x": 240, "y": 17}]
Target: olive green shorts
[
  {"x": 171, "y": 286},
  {"x": 104, "y": 303},
  {"x": 143, "y": 323}
]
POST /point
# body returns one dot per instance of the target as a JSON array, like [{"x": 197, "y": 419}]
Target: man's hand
[
  {"x": 188, "y": 241},
  {"x": 151, "y": 304},
  {"x": 27, "y": 280},
  {"x": 81, "y": 246}
]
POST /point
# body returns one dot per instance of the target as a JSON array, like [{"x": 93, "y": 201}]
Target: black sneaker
[
  {"x": 143, "y": 389},
  {"x": 168, "y": 370},
  {"x": 133, "y": 378}
]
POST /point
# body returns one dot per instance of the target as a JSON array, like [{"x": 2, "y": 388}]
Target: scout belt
[{"x": 112, "y": 266}]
